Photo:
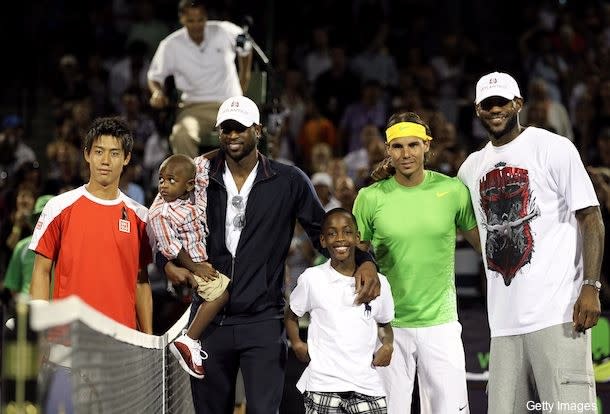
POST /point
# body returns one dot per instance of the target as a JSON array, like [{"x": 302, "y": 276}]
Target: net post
[
  {"x": 164, "y": 371},
  {"x": 19, "y": 359}
]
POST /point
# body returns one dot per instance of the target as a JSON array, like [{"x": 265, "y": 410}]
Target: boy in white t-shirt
[
  {"x": 542, "y": 236},
  {"x": 341, "y": 347}
]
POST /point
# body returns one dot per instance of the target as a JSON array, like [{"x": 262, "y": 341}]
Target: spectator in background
[
  {"x": 155, "y": 151},
  {"x": 14, "y": 152},
  {"x": 323, "y": 184},
  {"x": 336, "y": 168},
  {"x": 68, "y": 83},
  {"x": 375, "y": 62},
  {"x": 542, "y": 61},
  {"x": 139, "y": 122},
  {"x": 149, "y": 149},
  {"x": 147, "y": 28},
  {"x": 63, "y": 168},
  {"x": 556, "y": 119},
  {"x": 128, "y": 73},
  {"x": 538, "y": 116},
  {"x": 601, "y": 103},
  {"x": 292, "y": 101},
  {"x": 345, "y": 192},
  {"x": 376, "y": 152},
  {"x": 333, "y": 89},
  {"x": 201, "y": 58},
  {"x": 446, "y": 154},
  {"x": 65, "y": 129},
  {"x": 16, "y": 205},
  {"x": 600, "y": 177},
  {"x": 274, "y": 146},
  {"x": 97, "y": 84},
  {"x": 282, "y": 61},
  {"x": 316, "y": 128},
  {"x": 582, "y": 110},
  {"x": 369, "y": 110},
  {"x": 600, "y": 156},
  {"x": 81, "y": 112},
  {"x": 449, "y": 66},
  {"x": 19, "y": 272},
  {"x": 129, "y": 185},
  {"x": 300, "y": 256},
  {"x": 586, "y": 84},
  {"x": 19, "y": 221},
  {"x": 321, "y": 155},
  {"x": 357, "y": 161},
  {"x": 28, "y": 174},
  {"x": 317, "y": 60},
  {"x": 568, "y": 42}
]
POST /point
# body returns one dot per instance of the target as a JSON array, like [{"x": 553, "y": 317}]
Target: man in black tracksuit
[{"x": 253, "y": 204}]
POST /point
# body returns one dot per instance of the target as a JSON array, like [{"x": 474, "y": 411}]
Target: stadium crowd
[{"x": 337, "y": 71}]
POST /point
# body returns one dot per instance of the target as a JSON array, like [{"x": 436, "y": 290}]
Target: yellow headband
[{"x": 406, "y": 129}]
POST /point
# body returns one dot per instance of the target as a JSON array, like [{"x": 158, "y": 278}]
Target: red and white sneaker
[{"x": 189, "y": 354}]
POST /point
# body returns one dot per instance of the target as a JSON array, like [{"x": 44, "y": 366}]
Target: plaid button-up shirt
[{"x": 182, "y": 224}]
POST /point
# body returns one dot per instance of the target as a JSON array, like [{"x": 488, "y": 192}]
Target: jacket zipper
[
  {"x": 222, "y": 184},
  {"x": 224, "y": 310}
]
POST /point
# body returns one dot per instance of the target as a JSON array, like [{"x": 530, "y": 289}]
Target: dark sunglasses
[
  {"x": 229, "y": 126},
  {"x": 487, "y": 104}
]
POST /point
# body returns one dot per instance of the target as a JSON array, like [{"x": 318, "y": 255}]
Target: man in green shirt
[
  {"x": 411, "y": 220},
  {"x": 19, "y": 272}
]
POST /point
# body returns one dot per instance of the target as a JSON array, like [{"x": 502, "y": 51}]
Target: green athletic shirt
[
  {"x": 19, "y": 272},
  {"x": 18, "y": 277},
  {"x": 412, "y": 231}
]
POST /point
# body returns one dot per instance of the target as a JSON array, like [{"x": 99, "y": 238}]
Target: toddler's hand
[{"x": 205, "y": 271}]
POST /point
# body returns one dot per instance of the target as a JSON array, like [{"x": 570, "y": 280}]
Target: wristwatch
[{"x": 595, "y": 283}]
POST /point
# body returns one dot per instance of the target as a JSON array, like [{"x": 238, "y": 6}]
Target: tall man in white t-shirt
[
  {"x": 201, "y": 57},
  {"x": 542, "y": 236}
]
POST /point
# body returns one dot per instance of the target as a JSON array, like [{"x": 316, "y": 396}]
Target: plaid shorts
[{"x": 343, "y": 402}]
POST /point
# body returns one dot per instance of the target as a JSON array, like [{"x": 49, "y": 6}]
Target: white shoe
[{"x": 189, "y": 354}]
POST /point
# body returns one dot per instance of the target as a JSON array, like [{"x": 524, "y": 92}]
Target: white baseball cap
[
  {"x": 240, "y": 109},
  {"x": 322, "y": 178},
  {"x": 497, "y": 84}
]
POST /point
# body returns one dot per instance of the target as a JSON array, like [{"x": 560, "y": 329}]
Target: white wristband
[{"x": 38, "y": 302}]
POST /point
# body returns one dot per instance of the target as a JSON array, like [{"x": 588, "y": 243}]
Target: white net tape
[{"x": 110, "y": 368}]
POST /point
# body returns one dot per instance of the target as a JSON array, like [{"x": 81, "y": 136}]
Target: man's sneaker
[{"x": 190, "y": 355}]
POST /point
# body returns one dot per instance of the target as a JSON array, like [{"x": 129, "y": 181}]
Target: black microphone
[{"x": 247, "y": 21}]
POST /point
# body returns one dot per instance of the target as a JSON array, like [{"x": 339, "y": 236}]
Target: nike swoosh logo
[
  {"x": 444, "y": 193},
  {"x": 462, "y": 408}
]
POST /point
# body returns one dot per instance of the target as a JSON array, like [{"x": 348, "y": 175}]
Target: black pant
[{"x": 260, "y": 349}]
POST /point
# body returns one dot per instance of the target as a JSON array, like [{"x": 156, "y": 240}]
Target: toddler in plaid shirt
[{"x": 177, "y": 220}]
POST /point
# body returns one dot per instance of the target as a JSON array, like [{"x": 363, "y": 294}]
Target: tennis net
[{"x": 95, "y": 365}]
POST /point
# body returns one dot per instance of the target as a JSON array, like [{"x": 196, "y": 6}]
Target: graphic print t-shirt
[{"x": 525, "y": 195}]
